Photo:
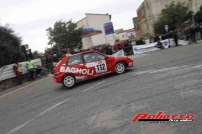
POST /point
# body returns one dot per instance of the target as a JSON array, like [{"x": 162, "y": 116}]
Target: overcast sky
[{"x": 31, "y": 18}]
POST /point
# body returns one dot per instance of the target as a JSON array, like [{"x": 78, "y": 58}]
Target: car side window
[
  {"x": 92, "y": 57},
  {"x": 75, "y": 59}
]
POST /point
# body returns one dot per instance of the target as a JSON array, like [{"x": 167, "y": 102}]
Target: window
[
  {"x": 91, "y": 57},
  {"x": 75, "y": 59}
]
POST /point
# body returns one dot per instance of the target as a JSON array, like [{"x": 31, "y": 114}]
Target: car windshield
[
  {"x": 119, "y": 53},
  {"x": 75, "y": 59},
  {"x": 91, "y": 57}
]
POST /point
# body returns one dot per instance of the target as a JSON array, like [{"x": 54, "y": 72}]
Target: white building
[
  {"x": 123, "y": 35},
  {"x": 95, "y": 23}
]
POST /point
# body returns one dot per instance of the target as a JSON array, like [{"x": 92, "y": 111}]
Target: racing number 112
[{"x": 100, "y": 68}]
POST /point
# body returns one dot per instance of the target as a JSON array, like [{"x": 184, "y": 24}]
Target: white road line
[
  {"x": 19, "y": 89},
  {"x": 167, "y": 69},
  {"x": 164, "y": 69},
  {"x": 93, "y": 87},
  {"x": 53, "y": 107},
  {"x": 37, "y": 116},
  {"x": 14, "y": 91},
  {"x": 140, "y": 55},
  {"x": 48, "y": 109},
  {"x": 142, "y": 72},
  {"x": 19, "y": 127},
  {"x": 152, "y": 71},
  {"x": 197, "y": 66},
  {"x": 189, "y": 67}
]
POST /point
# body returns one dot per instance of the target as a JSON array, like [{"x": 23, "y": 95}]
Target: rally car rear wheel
[
  {"x": 120, "y": 68},
  {"x": 69, "y": 81}
]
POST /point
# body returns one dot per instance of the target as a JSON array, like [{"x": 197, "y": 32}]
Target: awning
[{"x": 87, "y": 32}]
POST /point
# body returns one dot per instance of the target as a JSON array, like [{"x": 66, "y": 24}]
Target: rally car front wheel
[
  {"x": 69, "y": 81},
  {"x": 120, "y": 68}
]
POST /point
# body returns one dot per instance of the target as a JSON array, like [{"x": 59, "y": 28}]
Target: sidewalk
[{"x": 11, "y": 84}]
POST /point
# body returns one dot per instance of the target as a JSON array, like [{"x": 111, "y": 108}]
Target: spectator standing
[
  {"x": 49, "y": 63},
  {"x": 200, "y": 29},
  {"x": 18, "y": 73},
  {"x": 156, "y": 38},
  {"x": 31, "y": 69},
  {"x": 193, "y": 34},
  {"x": 175, "y": 36},
  {"x": 109, "y": 50},
  {"x": 38, "y": 71}
]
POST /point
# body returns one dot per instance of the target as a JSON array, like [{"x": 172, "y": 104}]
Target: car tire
[
  {"x": 69, "y": 81},
  {"x": 120, "y": 68}
]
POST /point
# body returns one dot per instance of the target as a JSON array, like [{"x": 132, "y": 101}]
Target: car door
[
  {"x": 96, "y": 63},
  {"x": 75, "y": 66},
  {"x": 110, "y": 63}
]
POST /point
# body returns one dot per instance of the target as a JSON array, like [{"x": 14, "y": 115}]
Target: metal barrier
[
  {"x": 6, "y": 72},
  {"x": 183, "y": 42},
  {"x": 152, "y": 46},
  {"x": 141, "y": 49},
  {"x": 144, "y": 48}
]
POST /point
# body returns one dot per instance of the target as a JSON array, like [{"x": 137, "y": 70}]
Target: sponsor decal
[
  {"x": 91, "y": 64},
  {"x": 162, "y": 117},
  {"x": 100, "y": 66},
  {"x": 76, "y": 70}
]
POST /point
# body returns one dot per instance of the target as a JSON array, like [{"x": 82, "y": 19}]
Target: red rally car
[{"x": 86, "y": 65}]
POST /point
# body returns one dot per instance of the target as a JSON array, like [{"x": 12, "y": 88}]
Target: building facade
[
  {"x": 149, "y": 11},
  {"x": 123, "y": 35},
  {"x": 94, "y": 24}
]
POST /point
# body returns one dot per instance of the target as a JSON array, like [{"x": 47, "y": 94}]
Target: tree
[
  {"x": 9, "y": 46},
  {"x": 65, "y": 35},
  {"x": 36, "y": 54},
  {"x": 173, "y": 16},
  {"x": 198, "y": 16}
]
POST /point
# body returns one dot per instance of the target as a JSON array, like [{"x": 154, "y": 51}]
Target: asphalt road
[{"x": 169, "y": 80}]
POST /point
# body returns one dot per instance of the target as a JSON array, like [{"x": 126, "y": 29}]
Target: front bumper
[{"x": 131, "y": 65}]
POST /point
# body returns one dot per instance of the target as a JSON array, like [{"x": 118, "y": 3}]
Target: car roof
[{"x": 86, "y": 52}]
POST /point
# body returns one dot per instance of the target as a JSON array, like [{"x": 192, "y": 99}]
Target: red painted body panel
[{"x": 88, "y": 70}]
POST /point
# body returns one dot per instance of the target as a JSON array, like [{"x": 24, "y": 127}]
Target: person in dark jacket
[
  {"x": 109, "y": 50},
  {"x": 175, "y": 36}
]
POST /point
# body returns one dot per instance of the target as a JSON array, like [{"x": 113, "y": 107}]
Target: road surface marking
[
  {"x": 164, "y": 69},
  {"x": 140, "y": 55},
  {"x": 37, "y": 116},
  {"x": 53, "y": 107},
  {"x": 151, "y": 71},
  {"x": 20, "y": 88},
  {"x": 197, "y": 66},
  {"x": 93, "y": 87},
  {"x": 167, "y": 69},
  {"x": 142, "y": 72},
  {"x": 20, "y": 127},
  {"x": 180, "y": 68}
]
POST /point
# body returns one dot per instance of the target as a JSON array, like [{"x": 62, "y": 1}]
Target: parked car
[{"x": 87, "y": 65}]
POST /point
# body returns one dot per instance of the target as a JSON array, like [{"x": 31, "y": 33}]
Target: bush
[{"x": 140, "y": 42}]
